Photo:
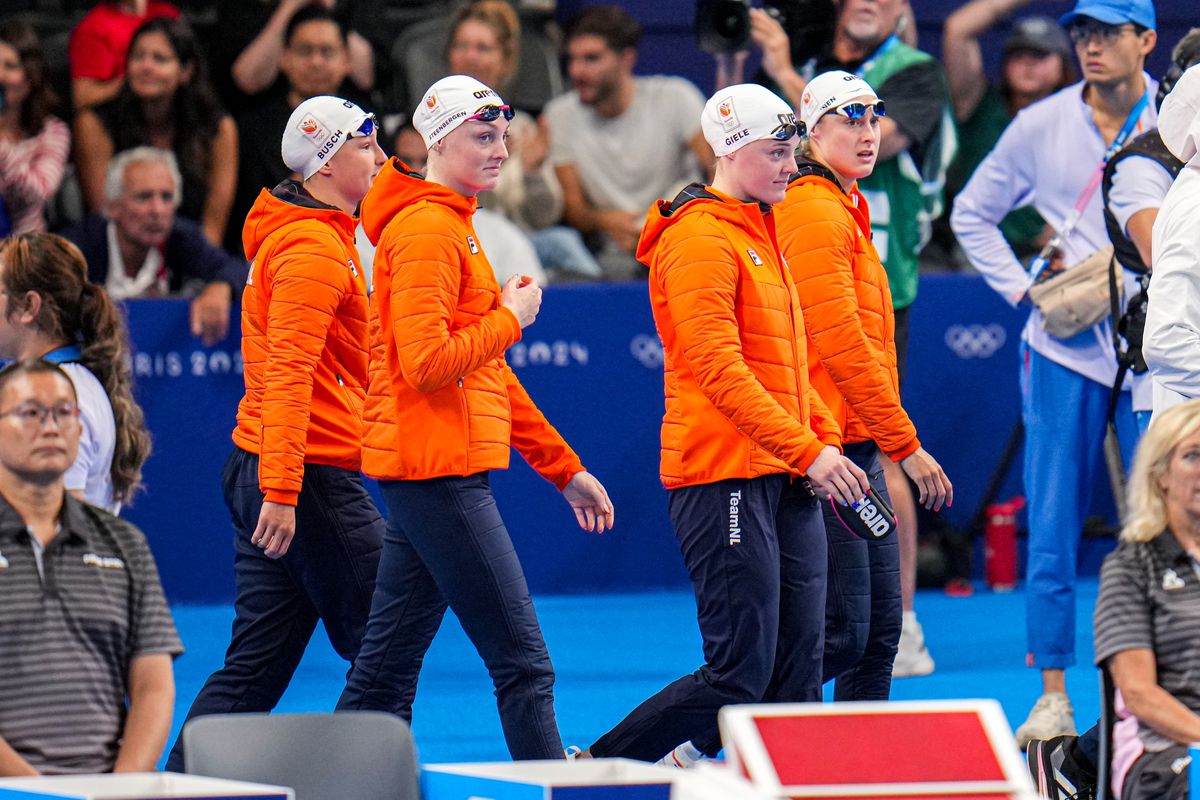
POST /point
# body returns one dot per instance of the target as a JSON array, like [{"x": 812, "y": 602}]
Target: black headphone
[{"x": 1185, "y": 57}]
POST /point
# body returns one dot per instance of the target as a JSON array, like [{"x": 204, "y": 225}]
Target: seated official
[
  {"x": 140, "y": 248},
  {"x": 86, "y": 639},
  {"x": 1148, "y": 612}
]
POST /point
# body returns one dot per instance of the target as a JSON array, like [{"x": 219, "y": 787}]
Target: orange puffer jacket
[
  {"x": 738, "y": 403},
  {"x": 825, "y": 234},
  {"x": 304, "y": 334},
  {"x": 441, "y": 399}
]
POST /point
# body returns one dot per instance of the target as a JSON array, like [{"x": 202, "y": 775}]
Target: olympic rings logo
[
  {"x": 648, "y": 350},
  {"x": 975, "y": 341}
]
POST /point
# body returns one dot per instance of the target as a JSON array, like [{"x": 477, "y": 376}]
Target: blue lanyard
[
  {"x": 1068, "y": 226},
  {"x": 887, "y": 45},
  {"x": 1127, "y": 129},
  {"x": 64, "y": 354}
]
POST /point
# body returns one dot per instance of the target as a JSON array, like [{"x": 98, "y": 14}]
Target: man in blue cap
[{"x": 1050, "y": 157}]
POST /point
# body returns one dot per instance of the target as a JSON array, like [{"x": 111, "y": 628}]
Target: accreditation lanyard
[
  {"x": 887, "y": 45},
  {"x": 1068, "y": 226},
  {"x": 64, "y": 354}
]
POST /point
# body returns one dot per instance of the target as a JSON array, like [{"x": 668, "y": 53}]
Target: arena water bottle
[{"x": 1000, "y": 540}]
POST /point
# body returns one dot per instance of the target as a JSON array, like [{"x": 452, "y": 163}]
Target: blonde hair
[
  {"x": 500, "y": 16},
  {"x": 1146, "y": 516}
]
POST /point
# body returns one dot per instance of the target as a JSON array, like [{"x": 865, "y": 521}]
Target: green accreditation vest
[{"x": 904, "y": 196}]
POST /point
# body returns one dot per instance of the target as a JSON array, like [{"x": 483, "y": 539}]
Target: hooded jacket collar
[
  {"x": 398, "y": 186},
  {"x": 698, "y": 198},
  {"x": 810, "y": 171},
  {"x": 287, "y": 203}
]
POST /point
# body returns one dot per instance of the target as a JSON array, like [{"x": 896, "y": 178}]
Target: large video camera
[{"x": 723, "y": 26}]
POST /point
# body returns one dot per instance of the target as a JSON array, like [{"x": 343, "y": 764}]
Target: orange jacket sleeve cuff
[
  {"x": 281, "y": 496},
  {"x": 810, "y": 455},
  {"x": 911, "y": 447},
  {"x": 516, "y": 323}
]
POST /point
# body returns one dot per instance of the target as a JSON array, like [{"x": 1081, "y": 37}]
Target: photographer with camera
[
  {"x": 917, "y": 142},
  {"x": 1136, "y": 182}
]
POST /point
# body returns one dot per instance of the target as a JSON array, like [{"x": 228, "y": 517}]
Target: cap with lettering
[
  {"x": 828, "y": 91},
  {"x": 449, "y": 103},
  {"x": 744, "y": 113},
  {"x": 317, "y": 129}
]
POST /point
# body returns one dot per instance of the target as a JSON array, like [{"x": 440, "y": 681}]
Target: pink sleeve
[{"x": 35, "y": 177}]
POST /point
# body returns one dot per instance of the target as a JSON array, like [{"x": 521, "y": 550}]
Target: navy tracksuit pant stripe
[
  {"x": 755, "y": 550},
  {"x": 446, "y": 545},
  {"x": 328, "y": 573},
  {"x": 862, "y": 609}
]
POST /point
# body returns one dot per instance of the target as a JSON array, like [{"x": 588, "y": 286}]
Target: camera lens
[{"x": 722, "y": 26}]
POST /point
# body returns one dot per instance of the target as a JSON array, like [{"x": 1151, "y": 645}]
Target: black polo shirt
[
  {"x": 68, "y": 634},
  {"x": 1150, "y": 599}
]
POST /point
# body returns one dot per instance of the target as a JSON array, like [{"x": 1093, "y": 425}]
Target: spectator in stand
[
  {"x": 166, "y": 102},
  {"x": 917, "y": 141},
  {"x": 52, "y": 312},
  {"x": 254, "y": 35},
  {"x": 315, "y": 61},
  {"x": 140, "y": 248},
  {"x": 409, "y": 147},
  {"x": 33, "y": 143},
  {"x": 619, "y": 142},
  {"x": 87, "y": 639},
  {"x": 100, "y": 42},
  {"x": 1148, "y": 612},
  {"x": 1036, "y": 63},
  {"x": 484, "y": 43},
  {"x": 1047, "y": 158}
]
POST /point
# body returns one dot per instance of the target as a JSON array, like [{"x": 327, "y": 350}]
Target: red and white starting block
[{"x": 907, "y": 750}]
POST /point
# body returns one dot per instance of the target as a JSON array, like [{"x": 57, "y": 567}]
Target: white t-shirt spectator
[
  {"x": 630, "y": 161},
  {"x": 92, "y": 471}
]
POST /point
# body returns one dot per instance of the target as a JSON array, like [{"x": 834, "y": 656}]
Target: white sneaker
[
  {"x": 912, "y": 656},
  {"x": 684, "y": 756},
  {"x": 1052, "y": 715}
]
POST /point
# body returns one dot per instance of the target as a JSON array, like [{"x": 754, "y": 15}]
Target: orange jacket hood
[
  {"x": 696, "y": 198},
  {"x": 398, "y": 186},
  {"x": 287, "y": 203}
]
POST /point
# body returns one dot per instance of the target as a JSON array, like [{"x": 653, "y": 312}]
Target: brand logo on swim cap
[
  {"x": 431, "y": 102},
  {"x": 308, "y": 125}
]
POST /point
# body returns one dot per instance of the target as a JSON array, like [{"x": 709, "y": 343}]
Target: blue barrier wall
[{"x": 594, "y": 364}]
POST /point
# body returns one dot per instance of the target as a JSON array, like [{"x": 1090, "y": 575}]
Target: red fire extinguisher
[{"x": 1000, "y": 539}]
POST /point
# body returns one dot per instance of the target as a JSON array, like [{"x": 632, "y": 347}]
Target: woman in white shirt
[{"x": 50, "y": 311}]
